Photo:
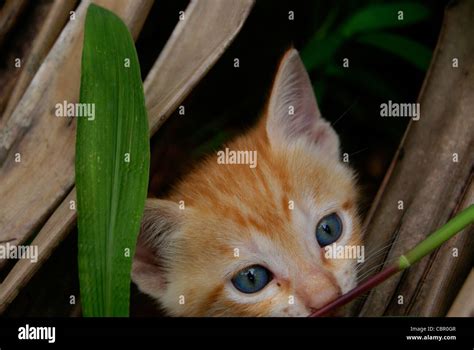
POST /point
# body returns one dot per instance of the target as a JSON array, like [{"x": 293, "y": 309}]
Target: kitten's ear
[
  {"x": 293, "y": 112},
  {"x": 160, "y": 225}
]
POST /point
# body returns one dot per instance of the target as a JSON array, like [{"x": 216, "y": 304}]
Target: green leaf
[
  {"x": 380, "y": 16},
  {"x": 322, "y": 46},
  {"x": 411, "y": 51},
  {"x": 111, "y": 192}
]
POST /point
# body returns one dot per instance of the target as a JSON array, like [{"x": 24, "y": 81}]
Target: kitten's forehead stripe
[
  {"x": 347, "y": 205},
  {"x": 212, "y": 298},
  {"x": 285, "y": 206}
]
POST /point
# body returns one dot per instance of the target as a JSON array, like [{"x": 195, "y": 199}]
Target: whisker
[
  {"x": 364, "y": 275},
  {"x": 370, "y": 259},
  {"x": 370, "y": 271},
  {"x": 377, "y": 249},
  {"x": 370, "y": 265},
  {"x": 346, "y": 111},
  {"x": 381, "y": 246},
  {"x": 359, "y": 151}
]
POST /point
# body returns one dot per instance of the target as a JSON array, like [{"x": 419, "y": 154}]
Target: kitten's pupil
[
  {"x": 251, "y": 276},
  {"x": 326, "y": 228}
]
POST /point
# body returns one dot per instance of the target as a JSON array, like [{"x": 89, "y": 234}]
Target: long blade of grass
[{"x": 112, "y": 164}]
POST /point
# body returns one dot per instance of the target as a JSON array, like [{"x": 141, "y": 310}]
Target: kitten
[{"x": 250, "y": 241}]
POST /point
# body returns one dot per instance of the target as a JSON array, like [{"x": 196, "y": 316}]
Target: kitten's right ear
[{"x": 160, "y": 225}]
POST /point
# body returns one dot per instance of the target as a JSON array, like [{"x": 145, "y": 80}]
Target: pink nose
[{"x": 317, "y": 290}]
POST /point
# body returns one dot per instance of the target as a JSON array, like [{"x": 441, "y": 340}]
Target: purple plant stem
[{"x": 368, "y": 284}]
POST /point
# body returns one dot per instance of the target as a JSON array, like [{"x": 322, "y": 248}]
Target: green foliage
[
  {"x": 383, "y": 16},
  {"x": 111, "y": 192},
  {"x": 365, "y": 29}
]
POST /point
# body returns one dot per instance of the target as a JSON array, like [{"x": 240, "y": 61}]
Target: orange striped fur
[{"x": 186, "y": 257}]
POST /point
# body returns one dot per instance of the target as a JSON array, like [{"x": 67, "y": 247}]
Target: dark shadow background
[{"x": 229, "y": 100}]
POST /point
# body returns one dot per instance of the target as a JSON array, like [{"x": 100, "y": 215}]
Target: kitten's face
[{"x": 251, "y": 241}]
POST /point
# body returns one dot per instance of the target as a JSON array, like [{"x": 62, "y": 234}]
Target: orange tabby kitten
[{"x": 249, "y": 240}]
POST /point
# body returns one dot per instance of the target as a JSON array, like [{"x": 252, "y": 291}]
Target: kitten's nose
[
  {"x": 323, "y": 297},
  {"x": 318, "y": 290}
]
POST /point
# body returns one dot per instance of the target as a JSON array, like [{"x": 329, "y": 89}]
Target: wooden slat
[
  {"x": 57, "y": 17},
  {"x": 9, "y": 14},
  {"x": 52, "y": 233},
  {"x": 31, "y": 189},
  {"x": 195, "y": 45},
  {"x": 463, "y": 306},
  {"x": 431, "y": 185},
  {"x": 183, "y": 50},
  {"x": 18, "y": 45}
]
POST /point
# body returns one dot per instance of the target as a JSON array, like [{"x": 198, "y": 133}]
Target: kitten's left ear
[
  {"x": 293, "y": 112},
  {"x": 160, "y": 225}
]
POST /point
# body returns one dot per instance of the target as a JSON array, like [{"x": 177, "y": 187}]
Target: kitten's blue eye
[
  {"x": 252, "y": 279},
  {"x": 329, "y": 229}
]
